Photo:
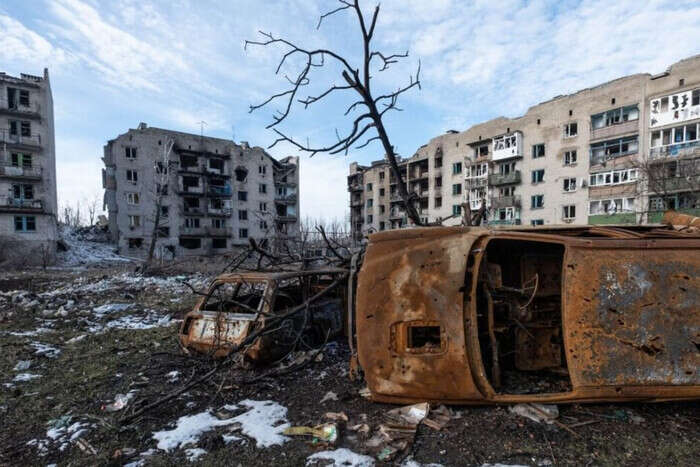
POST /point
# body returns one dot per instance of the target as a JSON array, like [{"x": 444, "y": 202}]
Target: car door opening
[{"x": 519, "y": 317}]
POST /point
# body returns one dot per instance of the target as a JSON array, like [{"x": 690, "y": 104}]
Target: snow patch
[
  {"x": 194, "y": 453},
  {"x": 265, "y": 422},
  {"x": 25, "y": 377},
  {"x": 22, "y": 365},
  {"x": 188, "y": 430},
  {"x": 341, "y": 457},
  {"x": 46, "y": 350}
]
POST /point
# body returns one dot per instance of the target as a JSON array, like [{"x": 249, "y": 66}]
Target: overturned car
[
  {"x": 469, "y": 315},
  {"x": 267, "y": 313}
]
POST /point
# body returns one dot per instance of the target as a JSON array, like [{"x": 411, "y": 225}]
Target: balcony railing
[
  {"x": 33, "y": 141},
  {"x": 215, "y": 190},
  {"x": 505, "y": 201},
  {"x": 219, "y": 211},
  {"x": 288, "y": 198},
  {"x": 675, "y": 150},
  {"x": 20, "y": 172},
  {"x": 192, "y": 210},
  {"x": 27, "y": 111},
  {"x": 199, "y": 189},
  {"x": 504, "y": 179},
  {"x": 504, "y": 222},
  {"x": 19, "y": 205},
  {"x": 195, "y": 231},
  {"x": 218, "y": 232},
  {"x": 474, "y": 182},
  {"x": 617, "y": 129}
]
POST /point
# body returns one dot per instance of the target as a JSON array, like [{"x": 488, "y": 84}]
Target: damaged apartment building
[
  {"x": 620, "y": 152},
  {"x": 28, "y": 229},
  {"x": 200, "y": 195}
]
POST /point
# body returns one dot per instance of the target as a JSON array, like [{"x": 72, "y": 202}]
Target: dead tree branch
[{"x": 357, "y": 79}]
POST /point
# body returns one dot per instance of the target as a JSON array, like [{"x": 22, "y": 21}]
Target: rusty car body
[
  {"x": 471, "y": 315},
  {"x": 235, "y": 305}
]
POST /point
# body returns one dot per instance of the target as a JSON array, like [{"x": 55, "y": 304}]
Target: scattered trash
[
  {"x": 438, "y": 418},
  {"x": 398, "y": 431},
  {"x": 328, "y": 432},
  {"x": 341, "y": 457},
  {"x": 365, "y": 392},
  {"x": 120, "y": 401},
  {"x": 536, "y": 412},
  {"x": 361, "y": 428},
  {"x": 411, "y": 414},
  {"x": 330, "y": 396},
  {"x": 336, "y": 416}
]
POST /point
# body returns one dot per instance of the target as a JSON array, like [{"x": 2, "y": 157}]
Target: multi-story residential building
[
  {"x": 28, "y": 229},
  {"x": 620, "y": 152},
  {"x": 213, "y": 193}
]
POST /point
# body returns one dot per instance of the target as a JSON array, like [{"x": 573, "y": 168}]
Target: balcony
[
  {"x": 222, "y": 212},
  {"x": 196, "y": 190},
  {"x": 618, "y": 129},
  {"x": 286, "y": 218},
  {"x": 9, "y": 204},
  {"x": 397, "y": 215},
  {"x": 356, "y": 202},
  {"x": 675, "y": 150},
  {"x": 290, "y": 198},
  {"x": 30, "y": 143},
  {"x": 28, "y": 173},
  {"x": 219, "y": 191},
  {"x": 476, "y": 182},
  {"x": 218, "y": 232},
  {"x": 192, "y": 168},
  {"x": 504, "y": 179},
  {"x": 355, "y": 187},
  {"x": 498, "y": 202},
  {"x": 193, "y": 231},
  {"x": 31, "y": 111},
  {"x": 192, "y": 210}
]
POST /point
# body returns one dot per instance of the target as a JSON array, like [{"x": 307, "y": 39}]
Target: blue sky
[{"x": 175, "y": 63}]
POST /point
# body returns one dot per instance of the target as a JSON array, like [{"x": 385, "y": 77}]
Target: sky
[{"x": 176, "y": 63}]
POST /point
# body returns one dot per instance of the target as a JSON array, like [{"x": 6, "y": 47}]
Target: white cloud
[{"x": 25, "y": 48}]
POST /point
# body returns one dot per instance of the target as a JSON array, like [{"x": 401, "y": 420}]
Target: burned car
[
  {"x": 237, "y": 305},
  {"x": 471, "y": 315}
]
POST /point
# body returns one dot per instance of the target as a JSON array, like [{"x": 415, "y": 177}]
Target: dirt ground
[{"x": 70, "y": 341}]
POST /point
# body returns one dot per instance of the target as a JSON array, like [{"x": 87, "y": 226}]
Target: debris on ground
[
  {"x": 326, "y": 433},
  {"x": 329, "y": 396},
  {"x": 341, "y": 457},
  {"x": 536, "y": 412}
]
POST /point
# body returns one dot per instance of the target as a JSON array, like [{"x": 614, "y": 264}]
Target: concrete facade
[
  {"x": 28, "y": 202},
  {"x": 580, "y": 158},
  {"x": 218, "y": 194}
]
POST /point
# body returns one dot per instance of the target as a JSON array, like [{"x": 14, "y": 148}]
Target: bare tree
[
  {"x": 92, "y": 205},
  {"x": 161, "y": 175},
  {"x": 368, "y": 125},
  {"x": 665, "y": 178}
]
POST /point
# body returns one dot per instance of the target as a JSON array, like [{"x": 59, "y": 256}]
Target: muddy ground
[{"x": 90, "y": 335}]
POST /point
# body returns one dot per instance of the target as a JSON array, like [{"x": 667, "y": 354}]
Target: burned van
[
  {"x": 563, "y": 314},
  {"x": 237, "y": 305}
]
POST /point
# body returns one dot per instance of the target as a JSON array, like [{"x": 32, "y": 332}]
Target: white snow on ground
[
  {"x": 82, "y": 251},
  {"x": 22, "y": 365},
  {"x": 341, "y": 457},
  {"x": 45, "y": 350},
  {"x": 76, "y": 339},
  {"x": 410, "y": 462},
  {"x": 25, "y": 377},
  {"x": 188, "y": 430},
  {"x": 194, "y": 453},
  {"x": 42, "y": 446},
  {"x": 102, "y": 310},
  {"x": 62, "y": 432},
  {"x": 264, "y": 422}
]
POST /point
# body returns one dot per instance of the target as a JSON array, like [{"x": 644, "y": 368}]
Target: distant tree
[
  {"x": 161, "y": 174},
  {"x": 368, "y": 126}
]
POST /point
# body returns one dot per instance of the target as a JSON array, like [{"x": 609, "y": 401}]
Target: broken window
[
  {"x": 382, "y": 209},
  {"x": 242, "y": 215},
  {"x": 611, "y": 149},
  {"x": 537, "y": 151},
  {"x": 457, "y": 189},
  {"x": 24, "y": 98},
  {"x": 242, "y": 196},
  {"x": 438, "y": 202},
  {"x": 381, "y": 175},
  {"x": 132, "y": 176},
  {"x": 438, "y": 162},
  {"x": 369, "y": 202},
  {"x": 456, "y": 168},
  {"x": 216, "y": 164},
  {"x": 218, "y": 223},
  {"x": 382, "y": 225},
  {"x": 132, "y": 198},
  {"x": 570, "y": 157},
  {"x": 369, "y": 187},
  {"x": 538, "y": 176},
  {"x": 218, "y": 243},
  {"x": 535, "y": 222},
  {"x": 263, "y": 207},
  {"x": 381, "y": 192},
  {"x": 456, "y": 209},
  {"x": 438, "y": 181},
  {"x": 262, "y": 170},
  {"x": 262, "y": 188},
  {"x": 569, "y": 212},
  {"x": 164, "y": 211},
  {"x": 130, "y": 152},
  {"x": 570, "y": 130},
  {"x": 570, "y": 184},
  {"x": 192, "y": 222},
  {"x": 243, "y": 233},
  {"x": 369, "y": 218},
  {"x": 23, "y": 191},
  {"x": 191, "y": 204},
  {"x": 25, "y": 223},
  {"x": 134, "y": 221},
  {"x": 537, "y": 201},
  {"x": 241, "y": 174},
  {"x": 26, "y": 129}
]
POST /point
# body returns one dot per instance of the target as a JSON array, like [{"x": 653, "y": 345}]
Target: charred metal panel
[
  {"x": 632, "y": 313},
  {"x": 410, "y": 319}
]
